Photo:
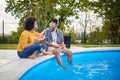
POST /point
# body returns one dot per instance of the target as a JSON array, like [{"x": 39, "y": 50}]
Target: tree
[
  {"x": 43, "y": 10},
  {"x": 109, "y": 10},
  {"x": 84, "y": 19},
  {"x": 14, "y": 38},
  {"x": 112, "y": 31}
]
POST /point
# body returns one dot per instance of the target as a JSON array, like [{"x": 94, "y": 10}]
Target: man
[{"x": 54, "y": 37}]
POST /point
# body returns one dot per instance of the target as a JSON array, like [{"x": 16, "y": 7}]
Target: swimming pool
[{"x": 92, "y": 65}]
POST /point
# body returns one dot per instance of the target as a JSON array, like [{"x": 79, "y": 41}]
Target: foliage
[
  {"x": 13, "y": 38},
  {"x": 15, "y": 35},
  {"x": 43, "y": 10},
  {"x": 3, "y": 39},
  {"x": 112, "y": 31},
  {"x": 95, "y": 37},
  {"x": 109, "y": 10}
]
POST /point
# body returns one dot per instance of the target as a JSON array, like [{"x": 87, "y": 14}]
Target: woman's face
[{"x": 35, "y": 25}]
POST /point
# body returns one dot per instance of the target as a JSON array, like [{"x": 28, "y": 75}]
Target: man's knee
[
  {"x": 69, "y": 52},
  {"x": 38, "y": 46},
  {"x": 55, "y": 52}
]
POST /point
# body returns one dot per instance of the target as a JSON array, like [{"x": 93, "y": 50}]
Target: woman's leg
[
  {"x": 33, "y": 56},
  {"x": 32, "y": 50}
]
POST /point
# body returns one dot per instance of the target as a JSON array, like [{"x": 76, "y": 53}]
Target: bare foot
[
  {"x": 32, "y": 56},
  {"x": 65, "y": 67},
  {"x": 35, "y": 53},
  {"x": 74, "y": 64}
]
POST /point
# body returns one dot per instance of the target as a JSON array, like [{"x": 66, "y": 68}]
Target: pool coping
[{"x": 17, "y": 67}]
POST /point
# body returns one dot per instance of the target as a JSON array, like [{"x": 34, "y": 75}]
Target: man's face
[
  {"x": 52, "y": 25},
  {"x": 35, "y": 25}
]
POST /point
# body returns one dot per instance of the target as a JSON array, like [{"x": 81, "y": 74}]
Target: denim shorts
[{"x": 30, "y": 50}]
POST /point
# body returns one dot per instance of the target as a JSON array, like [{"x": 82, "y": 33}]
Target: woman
[{"x": 28, "y": 46}]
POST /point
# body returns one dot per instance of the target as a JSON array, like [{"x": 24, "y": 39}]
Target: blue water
[{"x": 94, "y": 65}]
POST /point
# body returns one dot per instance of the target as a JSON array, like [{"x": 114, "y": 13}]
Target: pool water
[{"x": 93, "y": 65}]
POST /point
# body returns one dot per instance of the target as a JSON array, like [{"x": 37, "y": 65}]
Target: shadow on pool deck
[{"x": 12, "y": 67}]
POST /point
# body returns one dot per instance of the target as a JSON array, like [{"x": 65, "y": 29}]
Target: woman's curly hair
[{"x": 29, "y": 23}]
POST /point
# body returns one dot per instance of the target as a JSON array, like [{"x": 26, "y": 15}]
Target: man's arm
[
  {"x": 46, "y": 41},
  {"x": 62, "y": 37},
  {"x": 46, "y": 33}
]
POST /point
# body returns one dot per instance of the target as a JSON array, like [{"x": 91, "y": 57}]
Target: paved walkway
[{"x": 12, "y": 67}]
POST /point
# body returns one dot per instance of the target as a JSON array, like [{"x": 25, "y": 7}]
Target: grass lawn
[
  {"x": 13, "y": 46},
  {"x": 91, "y": 45},
  {"x": 8, "y": 46}
]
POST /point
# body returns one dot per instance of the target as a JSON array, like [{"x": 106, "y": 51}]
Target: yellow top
[{"x": 26, "y": 37}]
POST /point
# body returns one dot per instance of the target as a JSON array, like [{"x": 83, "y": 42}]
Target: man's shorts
[{"x": 50, "y": 49}]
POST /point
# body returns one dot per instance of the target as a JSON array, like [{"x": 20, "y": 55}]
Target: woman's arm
[
  {"x": 43, "y": 32},
  {"x": 24, "y": 39},
  {"x": 28, "y": 45}
]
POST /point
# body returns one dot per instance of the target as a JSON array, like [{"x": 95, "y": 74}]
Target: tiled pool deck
[{"x": 12, "y": 67}]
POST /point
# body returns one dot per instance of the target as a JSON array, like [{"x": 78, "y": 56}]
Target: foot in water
[
  {"x": 73, "y": 64},
  {"x": 65, "y": 67}
]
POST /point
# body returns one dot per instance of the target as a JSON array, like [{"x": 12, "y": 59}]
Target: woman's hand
[
  {"x": 44, "y": 31},
  {"x": 36, "y": 40}
]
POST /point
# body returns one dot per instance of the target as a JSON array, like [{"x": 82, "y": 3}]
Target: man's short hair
[{"x": 55, "y": 21}]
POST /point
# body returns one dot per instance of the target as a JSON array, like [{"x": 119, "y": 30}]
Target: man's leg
[
  {"x": 57, "y": 55},
  {"x": 47, "y": 53},
  {"x": 69, "y": 54}
]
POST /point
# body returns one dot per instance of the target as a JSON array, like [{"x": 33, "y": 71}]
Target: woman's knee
[
  {"x": 38, "y": 46},
  {"x": 43, "y": 46}
]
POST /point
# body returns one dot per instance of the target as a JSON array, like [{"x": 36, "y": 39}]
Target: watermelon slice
[
  {"x": 61, "y": 45},
  {"x": 41, "y": 37}
]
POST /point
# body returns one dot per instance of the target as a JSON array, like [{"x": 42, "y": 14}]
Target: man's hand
[{"x": 55, "y": 46}]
